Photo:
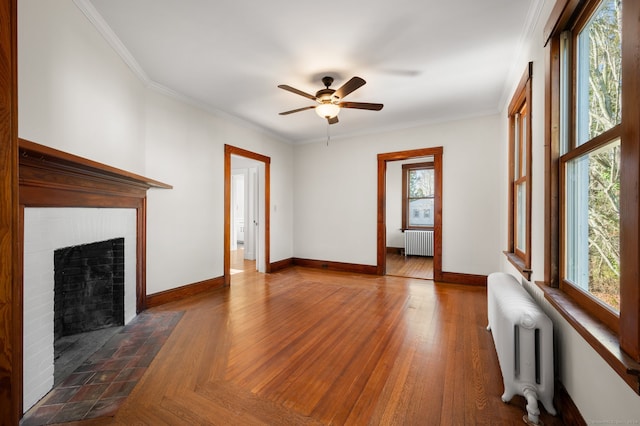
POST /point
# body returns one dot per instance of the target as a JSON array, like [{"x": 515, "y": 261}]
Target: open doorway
[
  {"x": 246, "y": 209},
  {"x": 410, "y": 216},
  {"x": 246, "y": 195},
  {"x": 391, "y": 237}
]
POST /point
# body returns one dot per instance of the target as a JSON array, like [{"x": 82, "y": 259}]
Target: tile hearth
[{"x": 102, "y": 383}]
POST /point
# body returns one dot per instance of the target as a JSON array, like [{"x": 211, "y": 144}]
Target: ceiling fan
[{"x": 330, "y": 100}]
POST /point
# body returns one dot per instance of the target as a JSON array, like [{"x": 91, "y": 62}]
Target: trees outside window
[
  {"x": 418, "y": 194},
  {"x": 593, "y": 173},
  {"x": 590, "y": 159}
]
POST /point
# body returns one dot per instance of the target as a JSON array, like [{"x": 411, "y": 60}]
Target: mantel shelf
[
  {"x": 44, "y": 166},
  {"x": 52, "y": 178}
]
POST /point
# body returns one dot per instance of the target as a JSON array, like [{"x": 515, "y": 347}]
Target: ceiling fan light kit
[
  {"x": 328, "y": 110},
  {"x": 329, "y": 100}
]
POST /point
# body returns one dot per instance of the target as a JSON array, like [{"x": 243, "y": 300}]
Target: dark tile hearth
[{"x": 102, "y": 383}]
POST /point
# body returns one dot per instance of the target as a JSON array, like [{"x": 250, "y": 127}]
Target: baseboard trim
[
  {"x": 565, "y": 406},
  {"x": 335, "y": 266},
  {"x": 395, "y": 250},
  {"x": 178, "y": 293},
  {"x": 459, "y": 278},
  {"x": 281, "y": 264}
]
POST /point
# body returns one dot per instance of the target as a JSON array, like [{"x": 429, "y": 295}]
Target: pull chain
[{"x": 328, "y": 135}]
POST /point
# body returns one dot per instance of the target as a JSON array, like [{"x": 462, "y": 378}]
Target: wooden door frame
[
  {"x": 436, "y": 152},
  {"x": 10, "y": 244},
  {"x": 230, "y": 150}
]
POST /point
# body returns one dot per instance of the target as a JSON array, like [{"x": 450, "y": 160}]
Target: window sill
[
  {"x": 519, "y": 265},
  {"x": 600, "y": 337}
]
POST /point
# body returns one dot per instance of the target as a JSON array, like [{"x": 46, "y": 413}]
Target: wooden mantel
[
  {"x": 52, "y": 178},
  {"x": 49, "y": 177}
]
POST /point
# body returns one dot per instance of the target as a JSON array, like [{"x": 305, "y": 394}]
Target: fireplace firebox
[{"x": 88, "y": 287}]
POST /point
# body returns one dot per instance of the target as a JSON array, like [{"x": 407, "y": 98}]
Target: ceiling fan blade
[
  {"x": 297, "y": 92},
  {"x": 333, "y": 120},
  {"x": 297, "y": 110},
  {"x": 361, "y": 105},
  {"x": 348, "y": 87}
]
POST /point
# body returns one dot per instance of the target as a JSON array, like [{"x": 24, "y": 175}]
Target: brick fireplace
[
  {"x": 67, "y": 201},
  {"x": 63, "y": 230}
]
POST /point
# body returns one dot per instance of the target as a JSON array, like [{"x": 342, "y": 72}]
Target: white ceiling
[{"x": 426, "y": 60}]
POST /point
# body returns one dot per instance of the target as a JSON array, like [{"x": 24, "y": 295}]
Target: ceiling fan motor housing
[{"x": 325, "y": 95}]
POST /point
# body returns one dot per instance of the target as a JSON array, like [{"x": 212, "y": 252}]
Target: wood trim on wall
[
  {"x": 436, "y": 152},
  {"x": 565, "y": 406},
  {"x": 52, "y": 178},
  {"x": 458, "y": 278},
  {"x": 281, "y": 264},
  {"x": 336, "y": 266},
  {"x": 230, "y": 150},
  {"x": 600, "y": 337},
  {"x": 630, "y": 222},
  {"x": 178, "y": 293},
  {"x": 10, "y": 257}
]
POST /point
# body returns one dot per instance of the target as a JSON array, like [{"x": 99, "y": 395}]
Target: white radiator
[
  {"x": 418, "y": 243},
  {"x": 523, "y": 337}
]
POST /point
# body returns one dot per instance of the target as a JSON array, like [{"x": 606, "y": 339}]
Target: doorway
[
  {"x": 418, "y": 267},
  {"x": 410, "y": 197},
  {"x": 246, "y": 217},
  {"x": 246, "y": 209}
]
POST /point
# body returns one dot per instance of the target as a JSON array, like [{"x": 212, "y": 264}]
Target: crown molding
[
  {"x": 105, "y": 30},
  {"x": 533, "y": 16},
  {"x": 114, "y": 41}
]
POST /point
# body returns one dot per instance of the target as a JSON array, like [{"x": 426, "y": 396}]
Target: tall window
[
  {"x": 590, "y": 159},
  {"x": 418, "y": 191},
  {"x": 519, "y": 252},
  {"x": 593, "y": 165}
]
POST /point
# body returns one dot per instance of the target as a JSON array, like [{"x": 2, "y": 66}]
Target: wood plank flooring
[
  {"x": 304, "y": 346},
  {"x": 410, "y": 266}
]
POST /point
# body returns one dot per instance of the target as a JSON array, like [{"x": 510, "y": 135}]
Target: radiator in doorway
[{"x": 418, "y": 243}]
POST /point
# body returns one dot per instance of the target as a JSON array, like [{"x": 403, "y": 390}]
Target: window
[
  {"x": 593, "y": 170},
  {"x": 519, "y": 253},
  {"x": 418, "y": 187},
  {"x": 590, "y": 160}
]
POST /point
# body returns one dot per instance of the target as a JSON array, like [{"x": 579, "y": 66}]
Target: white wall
[
  {"x": 598, "y": 392},
  {"x": 335, "y": 194},
  {"x": 393, "y": 211},
  {"x": 77, "y": 95}
]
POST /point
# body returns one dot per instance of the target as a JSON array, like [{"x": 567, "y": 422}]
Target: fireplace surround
[{"x": 52, "y": 180}]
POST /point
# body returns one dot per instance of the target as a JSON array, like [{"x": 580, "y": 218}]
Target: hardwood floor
[
  {"x": 410, "y": 266},
  {"x": 305, "y": 346},
  {"x": 238, "y": 262}
]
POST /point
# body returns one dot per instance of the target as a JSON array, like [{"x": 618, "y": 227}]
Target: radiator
[
  {"x": 418, "y": 243},
  {"x": 523, "y": 337}
]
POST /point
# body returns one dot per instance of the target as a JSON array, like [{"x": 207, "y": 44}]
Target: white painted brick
[{"x": 45, "y": 230}]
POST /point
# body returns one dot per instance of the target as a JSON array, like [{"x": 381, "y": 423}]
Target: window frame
[
  {"x": 619, "y": 343},
  {"x": 521, "y": 260},
  {"x": 406, "y": 168}
]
